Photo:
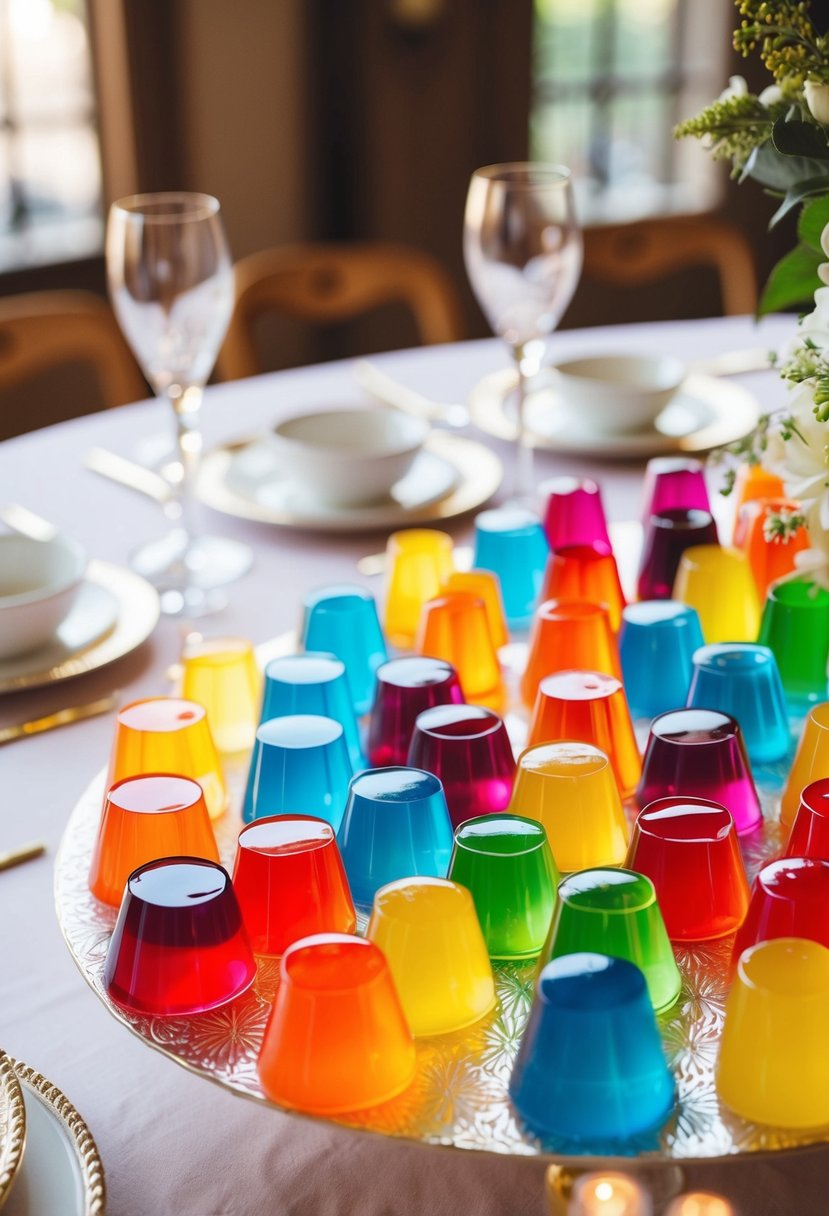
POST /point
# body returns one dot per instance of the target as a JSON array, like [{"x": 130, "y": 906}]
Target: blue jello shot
[
  {"x": 657, "y": 642},
  {"x": 313, "y": 683},
  {"x": 299, "y": 766},
  {"x": 510, "y": 541},
  {"x": 396, "y": 825},
  {"x": 741, "y": 679},
  {"x": 342, "y": 620},
  {"x": 590, "y": 1068}
]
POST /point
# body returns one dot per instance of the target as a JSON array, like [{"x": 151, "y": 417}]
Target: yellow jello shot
[
  {"x": 221, "y": 674},
  {"x": 718, "y": 583},
  {"x": 570, "y": 788},
  {"x": 774, "y": 1066},
  {"x": 429, "y": 932},
  {"x": 418, "y": 563},
  {"x": 811, "y": 762}
]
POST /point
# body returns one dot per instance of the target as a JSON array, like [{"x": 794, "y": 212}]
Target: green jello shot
[
  {"x": 795, "y": 626},
  {"x": 506, "y": 862},
  {"x": 615, "y": 912}
]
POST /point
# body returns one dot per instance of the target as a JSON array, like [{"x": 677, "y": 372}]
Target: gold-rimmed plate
[
  {"x": 133, "y": 609},
  {"x": 12, "y": 1126},
  {"x": 61, "y": 1170},
  {"x": 241, "y": 479},
  {"x": 706, "y": 413}
]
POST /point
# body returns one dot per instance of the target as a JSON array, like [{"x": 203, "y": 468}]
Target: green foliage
[
  {"x": 792, "y": 282},
  {"x": 812, "y": 220},
  {"x": 790, "y": 46}
]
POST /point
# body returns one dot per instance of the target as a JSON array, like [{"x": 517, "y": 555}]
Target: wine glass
[
  {"x": 523, "y": 252},
  {"x": 171, "y": 285}
]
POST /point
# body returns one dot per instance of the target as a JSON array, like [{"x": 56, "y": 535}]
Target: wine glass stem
[
  {"x": 187, "y": 410},
  {"x": 523, "y": 489}
]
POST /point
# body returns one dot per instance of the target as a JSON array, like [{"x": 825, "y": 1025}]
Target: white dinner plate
[
  {"x": 450, "y": 476},
  {"x": 116, "y": 610},
  {"x": 706, "y": 413},
  {"x": 61, "y": 1173}
]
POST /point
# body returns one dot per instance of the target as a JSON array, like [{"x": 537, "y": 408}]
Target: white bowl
[
  {"x": 348, "y": 457},
  {"x": 618, "y": 393},
  {"x": 39, "y": 580}
]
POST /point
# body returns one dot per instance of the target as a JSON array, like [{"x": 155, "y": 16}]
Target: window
[
  {"x": 611, "y": 80},
  {"x": 50, "y": 173}
]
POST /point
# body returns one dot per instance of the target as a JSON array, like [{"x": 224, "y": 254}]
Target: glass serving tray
[{"x": 459, "y": 1096}]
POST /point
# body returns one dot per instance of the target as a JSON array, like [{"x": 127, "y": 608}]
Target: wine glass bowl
[
  {"x": 170, "y": 280},
  {"x": 523, "y": 254}
]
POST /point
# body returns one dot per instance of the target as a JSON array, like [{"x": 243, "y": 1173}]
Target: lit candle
[
  {"x": 700, "y": 1203},
  {"x": 608, "y": 1195}
]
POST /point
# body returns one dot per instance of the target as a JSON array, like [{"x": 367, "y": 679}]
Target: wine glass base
[{"x": 189, "y": 572}]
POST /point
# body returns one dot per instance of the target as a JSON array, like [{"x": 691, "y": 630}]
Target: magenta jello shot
[
  {"x": 405, "y": 688},
  {"x": 809, "y": 836},
  {"x": 667, "y": 535},
  {"x": 699, "y": 753},
  {"x": 789, "y": 898},
  {"x": 674, "y": 483},
  {"x": 179, "y": 946},
  {"x": 468, "y": 748},
  {"x": 688, "y": 848},
  {"x": 573, "y": 513}
]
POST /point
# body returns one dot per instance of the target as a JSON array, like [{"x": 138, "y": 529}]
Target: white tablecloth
[{"x": 171, "y": 1143}]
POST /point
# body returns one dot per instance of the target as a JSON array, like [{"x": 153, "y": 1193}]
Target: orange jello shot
[
  {"x": 586, "y": 574},
  {"x": 144, "y": 819},
  {"x": 486, "y": 586},
  {"x": 455, "y": 627},
  {"x": 571, "y": 789},
  {"x": 221, "y": 674},
  {"x": 568, "y": 635},
  {"x": 168, "y": 735},
  {"x": 337, "y": 1038},
  {"x": 589, "y": 707},
  {"x": 770, "y": 559},
  {"x": 429, "y": 932}
]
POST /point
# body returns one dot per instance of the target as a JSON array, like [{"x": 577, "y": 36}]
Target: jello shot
[
  {"x": 405, "y": 688},
  {"x": 773, "y": 1066},
  {"x": 312, "y": 683},
  {"x": 587, "y": 575},
  {"x": 146, "y": 818},
  {"x": 741, "y": 679},
  {"x": 570, "y": 788},
  {"x": 574, "y": 513},
  {"x": 795, "y": 626},
  {"x": 506, "y": 863},
  {"x": 418, "y": 562},
  {"x": 221, "y": 674},
  {"x": 809, "y": 836},
  {"x": 674, "y": 483},
  {"x": 658, "y": 636},
  {"x": 568, "y": 635},
  {"x": 811, "y": 761},
  {"x": 428, "y": 930},
  {"x": 455, "y": 627},
  {"x": 615, "y": 912},
  {"x": 668, "y": 533},
  {"x": 699, "y": 753},
  {"x": 510, "y": 542},
  {"x": 789, "y": 898},
  {"x": 468, "y": 749},
  {"x": 396, "y": 824},
  {"x": 718, "y": 582},
  {"x": 589, "y": 707},
  {"x": 342, "y": 620},
  {"x": 688, "y": 848},
  {"x": 179, "y": 946},
  {"x": 487, "y": 587},
  {"x": 591, "y": 1067},
  {"x": 771, "y": 557},
  {"x": 290, "y": 882},
  {"x": 337, "y": 1038},
  {"x": 168, "y": 735},
  {"x": 300, "y": 760}
]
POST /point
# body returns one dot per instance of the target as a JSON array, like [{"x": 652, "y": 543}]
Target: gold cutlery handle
[
  {"x": 26, "y": 852},
  {"x": 62, "y": 717}
]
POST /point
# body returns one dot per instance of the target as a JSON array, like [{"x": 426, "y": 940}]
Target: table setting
[{"x": 449, "y": 781}]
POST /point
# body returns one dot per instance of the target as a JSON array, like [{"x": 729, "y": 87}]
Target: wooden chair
[
  {"x": 50, "y": 330},
  {"x": 649, "y": 250},
  {"x": 330, "y": 283}
]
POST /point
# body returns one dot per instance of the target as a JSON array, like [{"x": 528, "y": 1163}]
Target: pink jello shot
[
  {"x": 468, "y": 749},
  {"x": 179, "y": 946},
  {"x": 674, "y": 483},
  {"x": 405, "y": 688},
  {"x": 573, "y": 513},
  {"x": 699, "y": 753}
]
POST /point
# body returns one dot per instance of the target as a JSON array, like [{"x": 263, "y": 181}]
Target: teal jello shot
[
  {"x": 506, "y": 862},
  {"x": 300, "y": 766},
  {"x": 342, "y": 620},
  {"x": 615, "y": 912},
  {"x": 741, "y": 679},
  {"x": 396, "y": 825},
  {"x": 591, "y": 1068},
  {"x": 312, "y": 683}
]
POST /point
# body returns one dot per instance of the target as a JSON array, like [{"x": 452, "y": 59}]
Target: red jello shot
[
  {"x": 405, "y": 688},
  {"x": 587, "y": 574},
  {"x": 468, "y": 749},
  {"x": 179, "y": 946},
  {"x": 573, "y": 513},
  {"x": 789, "y": 898},
  {"x": 699, "y": 753},
  {"x": 290, "y": 882},
  {"x": 667, "y": 535},
  {"x": 688, "y": 848},
  {"x": 588, "y": 707},
  {"x": 809, "y": 836}
]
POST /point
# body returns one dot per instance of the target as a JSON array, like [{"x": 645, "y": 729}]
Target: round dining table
[{"x": 172, "y": 1143}]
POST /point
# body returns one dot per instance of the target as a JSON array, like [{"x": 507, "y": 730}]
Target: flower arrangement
[{"x": 780, "y": 138}]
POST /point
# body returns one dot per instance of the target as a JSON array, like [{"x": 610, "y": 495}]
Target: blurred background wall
[{"x": 359, "y": 119}]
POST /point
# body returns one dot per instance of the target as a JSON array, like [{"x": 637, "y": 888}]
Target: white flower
[
  {"x": 817, "y": 99},
  {"x": 737, "y": 87},
  {"x": 770, "y": 95}
]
